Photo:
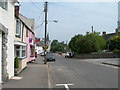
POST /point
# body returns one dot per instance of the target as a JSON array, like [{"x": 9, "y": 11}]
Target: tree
[
  {"x": 114, "y": 43},
  {"x": 91, "y": 42},
  {"x": 72, "y": 42},
  {"x": 58, "y": 46},
  {"x": 54, "y": 45}
]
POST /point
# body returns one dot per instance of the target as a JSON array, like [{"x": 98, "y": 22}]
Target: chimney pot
[
  {"x": 103, "y": 33},
  {"x": 17, "y": 11}
]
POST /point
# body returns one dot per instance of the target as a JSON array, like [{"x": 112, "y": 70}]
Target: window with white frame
[
  {"x": 21, "y": 51},
  {"x": 18, "y": 27},
  {"x": 4, "y": 4}
]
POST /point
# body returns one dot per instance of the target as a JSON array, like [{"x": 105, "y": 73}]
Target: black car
[{"x": 50, "y": 57}]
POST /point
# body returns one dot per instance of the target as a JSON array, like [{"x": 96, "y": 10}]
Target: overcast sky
[{"x": 73, "y": 17}]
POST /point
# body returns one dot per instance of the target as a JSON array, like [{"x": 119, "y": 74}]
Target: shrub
[{"x": 16, "y": 62}]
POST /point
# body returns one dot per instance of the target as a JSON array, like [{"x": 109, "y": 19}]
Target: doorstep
[{"x": 16, "y": 74}]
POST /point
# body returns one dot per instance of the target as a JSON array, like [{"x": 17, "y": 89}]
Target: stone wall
[{"x": 97, "y": 55}]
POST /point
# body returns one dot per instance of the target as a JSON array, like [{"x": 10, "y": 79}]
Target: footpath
[
  {"x": 34, "y": 76},
  {"x": 106, "y": 61},
  {"x": 112, "y": 62}
]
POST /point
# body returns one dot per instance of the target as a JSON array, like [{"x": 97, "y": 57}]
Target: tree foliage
[
  {"x": 58, "y": 46},
  {"x": 91, "y": 42},
  {"x": 114, "y": 43}
]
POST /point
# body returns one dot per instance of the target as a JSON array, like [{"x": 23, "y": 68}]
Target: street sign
[{"x": 45, "y": 47}]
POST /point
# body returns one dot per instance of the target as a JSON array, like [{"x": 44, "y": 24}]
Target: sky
[{"x": 73, "y": 18}]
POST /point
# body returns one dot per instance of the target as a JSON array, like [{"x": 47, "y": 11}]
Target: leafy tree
[
  {"x": 91, "y": 42},
  {"x": 58, "y": 46},
  {"x": 72, "y": 42},
  {"x": 54, "y": 45},
  {"x": 114, "y": 43}
]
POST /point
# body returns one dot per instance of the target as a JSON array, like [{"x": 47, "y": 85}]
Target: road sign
[{"x": 45, "y": 47}]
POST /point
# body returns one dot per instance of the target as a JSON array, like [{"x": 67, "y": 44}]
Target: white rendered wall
[{"x": 7, "y": 19}]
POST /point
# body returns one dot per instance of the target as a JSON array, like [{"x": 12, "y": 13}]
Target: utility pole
[
  {"x": 92, "y": 29},
  {"x": 45, "y": 42}
]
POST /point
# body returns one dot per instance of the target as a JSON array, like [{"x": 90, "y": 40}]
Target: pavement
[
  {"x": 34, "y": 76},
  {"x": 105, "y": 61}
]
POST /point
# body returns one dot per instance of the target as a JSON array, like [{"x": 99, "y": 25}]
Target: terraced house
[
  {"x": 24, "y": 40},
  {"x": 6, "y": 39}
]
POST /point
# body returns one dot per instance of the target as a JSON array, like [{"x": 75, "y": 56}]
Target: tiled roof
[{"x": 29, "y": 22}]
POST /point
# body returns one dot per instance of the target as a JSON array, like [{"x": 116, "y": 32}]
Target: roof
[
  {"x": 28, "y": 22},
  {"x": 107, "y": 36},
  {"x": 39, "y": 43}
]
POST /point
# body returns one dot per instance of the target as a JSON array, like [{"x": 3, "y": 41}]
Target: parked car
[
  {"x": 69, "y": 55},
  {"x": 50, "y": 57}
]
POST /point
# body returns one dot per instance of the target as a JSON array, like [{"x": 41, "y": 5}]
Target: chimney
[
  {"x": 103, "y": 33},
  {"x": 17, "y": 11}
]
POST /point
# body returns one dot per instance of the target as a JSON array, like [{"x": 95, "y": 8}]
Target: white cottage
[{"x": 6, "y": 39}]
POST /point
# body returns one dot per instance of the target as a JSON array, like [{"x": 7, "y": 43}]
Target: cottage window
[
  {"x": 4, "y": 4},
  {"x": 21, "y": 51},
  {"x": 18, "y": 51},
  {"x": 18, "y": 28}
]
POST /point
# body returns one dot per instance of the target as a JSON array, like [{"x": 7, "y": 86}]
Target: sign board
[
  {"x": 30, "y": 40},
  {"x": 45, "y": 47}
]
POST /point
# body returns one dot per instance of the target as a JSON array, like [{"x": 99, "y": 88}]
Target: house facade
[
  {"x": 38, "y": 46},
  {"x": 6, "y": 39},
  {"x": 23, "y": 40}
]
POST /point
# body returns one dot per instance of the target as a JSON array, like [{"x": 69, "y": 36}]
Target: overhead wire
[{"x": 84, "y": 10}]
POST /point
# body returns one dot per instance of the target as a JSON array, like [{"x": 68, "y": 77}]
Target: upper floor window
[
  {"x": 27, "y": 32},
  {"x": 4, "y": 4},
  {"x": 18, "y": 28}
]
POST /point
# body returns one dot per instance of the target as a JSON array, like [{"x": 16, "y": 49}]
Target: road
[
  {"x": 81, "y": 74},
  {"x": 75, "y": 72}
]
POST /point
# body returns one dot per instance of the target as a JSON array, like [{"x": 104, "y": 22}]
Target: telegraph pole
[
  {"x": 45, "y": 42},
  {"x": 92, "y": 29}
]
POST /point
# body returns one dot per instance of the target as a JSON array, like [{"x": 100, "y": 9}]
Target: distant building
[
  {"x": 38, "y": 46},
  {"x": 107, "y": 36}
]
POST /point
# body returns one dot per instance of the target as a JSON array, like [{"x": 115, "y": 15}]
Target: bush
[
  {"x": 16, "y": 63},
  {"x": 116, "y": 51},
  {"x": 114, "y": 43}
]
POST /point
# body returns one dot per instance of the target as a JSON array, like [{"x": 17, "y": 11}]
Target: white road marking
[
  {"x": 49, "y": 78},
  {"x": 66, "y": 85}
]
